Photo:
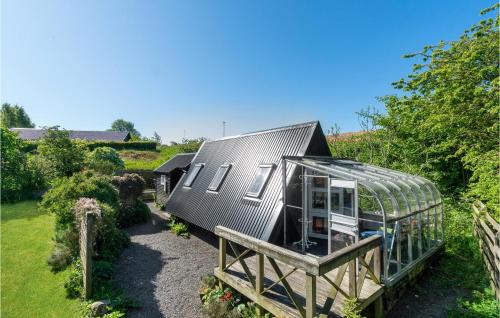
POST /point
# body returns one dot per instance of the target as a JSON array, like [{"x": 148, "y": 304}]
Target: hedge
[
  {"x": 122, "y": 145},
  {"x": 117, "y": 145}
]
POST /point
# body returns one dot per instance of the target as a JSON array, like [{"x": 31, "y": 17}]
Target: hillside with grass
[{"x": 152, "y": 159}]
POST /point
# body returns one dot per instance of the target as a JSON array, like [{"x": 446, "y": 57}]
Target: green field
[
  {"x": 148, "y": 160},
  {"x": 29, "y": 288}
]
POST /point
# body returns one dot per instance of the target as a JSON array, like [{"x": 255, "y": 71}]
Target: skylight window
[
  {"x": 260, "y": 180},
  {"x": 193, "y": 173},
  {"x": 219, "y": 177}
]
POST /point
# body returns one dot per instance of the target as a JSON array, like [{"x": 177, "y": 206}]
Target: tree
[
  {"x": 15, "y": 116},
  {"x": 157, "y": 138},
  {"x": 123, "y": 125},
  {"x": 445, "y": 124},
  {"x": 13, "y": 165},
  {"x": 62, "y": 155}
]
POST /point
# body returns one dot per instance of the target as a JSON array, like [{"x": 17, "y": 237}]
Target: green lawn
[{"x": 29, "y": 288}]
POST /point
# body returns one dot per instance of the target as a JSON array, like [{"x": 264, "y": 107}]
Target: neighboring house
[
  {"x": 282, "y": 186},
  {"x": 169, "y": 173},
  {"x": 36, "y": 134}
]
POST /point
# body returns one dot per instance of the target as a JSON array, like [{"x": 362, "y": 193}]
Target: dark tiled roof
[
  {"x": 181, "y": 160},
  {"x": 35, "y": 134},
  {"x": 228, "y": 206}
]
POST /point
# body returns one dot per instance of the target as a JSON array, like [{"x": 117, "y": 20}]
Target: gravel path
[{"x": 162, "y": 271}]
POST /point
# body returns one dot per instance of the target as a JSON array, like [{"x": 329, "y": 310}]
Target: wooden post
[
  {"x": 310, "y": 296},
  {"x": 87, "y": 251},
  {"x": 222, "y": 253},
  {"x": 379, "y": 307},
  {"x": 259, "y": 281},
  {"x": 377, "y": 264},
  {"x": 352, "y": 279}
]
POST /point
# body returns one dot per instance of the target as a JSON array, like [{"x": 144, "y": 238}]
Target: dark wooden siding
[{"x": 161, "y": 195}]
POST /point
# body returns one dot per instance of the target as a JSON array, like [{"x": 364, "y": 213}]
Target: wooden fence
[{"x": 487, "y": 230}]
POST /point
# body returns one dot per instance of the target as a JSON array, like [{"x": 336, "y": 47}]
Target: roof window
[
  {"x": 219, "y": 177},
  {"x": 260, "y": 180}
]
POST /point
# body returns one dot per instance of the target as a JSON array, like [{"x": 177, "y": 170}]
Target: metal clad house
[
  {"x": 169, "y": 173},
  {"x": 282, "y": 186},
  {"x": 237, "y": 181}
]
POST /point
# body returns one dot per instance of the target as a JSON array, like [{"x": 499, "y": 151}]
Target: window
[
  {"x": 193, "y": 173},
  {"x": 163, "y": 179},
  {"x": 220, "y": 175},
  {"x": 260, "y": 180}
]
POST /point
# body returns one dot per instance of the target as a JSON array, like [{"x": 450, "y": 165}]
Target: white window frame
[
  {"x": 215, "y": 187},
  {"x": 163, "y": 179},
  {"x": 258, "y": 194},
  {"x": 194, "y": 173}
]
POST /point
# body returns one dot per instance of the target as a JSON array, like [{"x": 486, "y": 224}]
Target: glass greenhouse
[{"x": 331, "y": 203}]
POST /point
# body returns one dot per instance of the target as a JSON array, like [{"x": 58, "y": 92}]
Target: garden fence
[{"x": 487, "y": 230}]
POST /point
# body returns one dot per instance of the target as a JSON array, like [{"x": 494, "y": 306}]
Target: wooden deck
[
  {"x": 277, "y": 295},
  {"x": 289, "y": 284}
]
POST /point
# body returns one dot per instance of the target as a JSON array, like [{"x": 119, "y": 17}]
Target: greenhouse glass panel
[
  {"x": 405, "y": 233},
  {"x": 425, "y": 231},
  {"x": 415, "y": 230}
]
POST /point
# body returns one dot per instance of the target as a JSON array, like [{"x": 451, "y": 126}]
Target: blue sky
[{"x": 175, "y": 66}]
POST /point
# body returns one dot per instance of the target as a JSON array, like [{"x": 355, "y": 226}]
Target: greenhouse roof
[{"x": 398, "y": 194}]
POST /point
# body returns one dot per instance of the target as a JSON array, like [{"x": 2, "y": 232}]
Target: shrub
[
  {"x": 38, "y": 171},
  {"x": 249, "y": 310},
  {"x": 130, "y": 187},
  {"x": 177, "y": 227},
  {"x": 60, "y": 258},
  {"x": 219, "y": 301},
  {"x": 480, "y": 305},
  {"x": 102, "y": 272},
  {"x": 30, "y": 146},
  {"x": 219, "y": 309},
  {"x": 61, "y": 200},
  {"x": 208, "y": 283},
  {"x": 105, "y": 160},
  {"x": 74, "y": 281},
  {"x": 351, "y": 308},
  {"x": 63, "y": 155},
  {"x": 15, "y": 175},
  {"x": 129, "y": 215},
  {"x": 122, "y": 145}
]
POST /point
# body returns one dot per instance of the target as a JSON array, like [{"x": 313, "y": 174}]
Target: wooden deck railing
[
  {"x": 358, "y": 261},
  {"x": 487, "y": 230}
]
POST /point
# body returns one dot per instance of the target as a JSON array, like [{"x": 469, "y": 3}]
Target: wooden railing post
[
  {"x": 259, "y": 281},
  {"x": 222, "y": 253},
  {"x": 352, "y": 279},
  {"x": 310, "y": 296},
  {"x": 377, "y": 263}
]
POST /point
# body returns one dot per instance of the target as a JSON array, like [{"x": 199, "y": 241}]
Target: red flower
[{"x": 227, "y": 296}]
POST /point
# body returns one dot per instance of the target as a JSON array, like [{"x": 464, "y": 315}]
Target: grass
[
  {"x": 462, "y": 265},
  {"x": 29, "y": 288},
  {"x": 148, "y": 160}
]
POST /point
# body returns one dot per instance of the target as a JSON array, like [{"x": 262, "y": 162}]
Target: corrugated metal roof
[
  {"x": 181, "y": 160},
  {"x": 229, "y": 207},
  {"x": 35, "y": 134}
]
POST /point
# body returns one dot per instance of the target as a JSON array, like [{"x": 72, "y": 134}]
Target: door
[{"x": 342, "y": 213}]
